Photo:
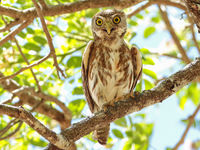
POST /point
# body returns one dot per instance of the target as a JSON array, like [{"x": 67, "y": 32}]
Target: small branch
[
  {"x": 25, "y": 68},
  {"x": 22, "y": 114},
  {"x": 13, "y": 132},
  {"x": 185, "y": 58},
  {"x": 191, "y": 120},
  {"x": 46, "y": 97},
  {"x": 26, "y": 60},
  {"x": 16, "y": 31},
  {"x": 10, "y": 25},
  {"x": 49, "y": 39},
  {"x": 129, "y": 15},
  {"x": 24, "y": 57},
  {"x": 193, "y": 33},
  {"x": 166, "y": 55}
]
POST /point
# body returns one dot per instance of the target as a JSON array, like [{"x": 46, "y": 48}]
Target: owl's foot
[
  {"x": 136, "y": 93},
  {"x": 108, "y": 104}
]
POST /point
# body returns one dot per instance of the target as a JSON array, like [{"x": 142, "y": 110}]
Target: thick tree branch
[
  {"x": 191, "y": 120},
  {"x": 159, "y": 93},
  {"x": 22, "y": 114},
  {"x": 164, "y": 15},
  {"x": 26, "y": 98},
  {"x": 80, "y": 5}
]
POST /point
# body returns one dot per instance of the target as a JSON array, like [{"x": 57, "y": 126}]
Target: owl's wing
[
  {"x": 137, "y": 64},
  {"x": 84, "y": 69}
]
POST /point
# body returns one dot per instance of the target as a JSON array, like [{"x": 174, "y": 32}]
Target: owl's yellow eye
[
  {"x": 116, "y": 20},
  {"x": 99, "y": 22}
]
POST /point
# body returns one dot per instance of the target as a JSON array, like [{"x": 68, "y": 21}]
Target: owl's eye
[
  {"x": 116, "y": 20},
  {"x": 99, "y": 22}
]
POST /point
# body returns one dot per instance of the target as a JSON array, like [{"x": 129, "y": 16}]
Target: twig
[
  {"x": 16, "y": 31},
  {"x": 185, "y": 58},
  {"x": 26, "y": 60},
  {"x": 24, "y": 57},
  {"x": 9, "y": 125},
  {"x": 45, "y": 97},
  {"x": 12, "y": 133},
  {"x": 193, "y": 33},
  {"x": 49, "y": 39},
  {"x": 166, "y": 55},
  {"x": 25, "y": 68},
  {"x": 129, "y": 15},
  {"x": 11, "y": 24},
  {"x": 191, "y": 120}
]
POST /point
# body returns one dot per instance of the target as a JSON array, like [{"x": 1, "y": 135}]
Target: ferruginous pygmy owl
[{"x": 110, "y": 69}]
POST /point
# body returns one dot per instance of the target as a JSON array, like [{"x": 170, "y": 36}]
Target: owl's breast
[{"x": 110, "y": 74}]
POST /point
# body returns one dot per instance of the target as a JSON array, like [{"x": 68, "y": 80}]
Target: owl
[{"x": 110, "y": 70}]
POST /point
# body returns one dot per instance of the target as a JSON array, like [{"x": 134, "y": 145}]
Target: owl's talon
[{"x": 136, "y": 93}]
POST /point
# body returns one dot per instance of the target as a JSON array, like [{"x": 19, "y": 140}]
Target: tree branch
[
  {"x": 26, "y": 98},
  {"x": 49, "y": 39},
  {"x": 159, "y": 93},
  {"x": 191, "y": 120},
  {"x": 169, "y": 3},
  {"x": 185, "y": 58},
  {"x": 22, "y": 114},
  {"x": 16, "y": 31},
  {"x": 194, "y": 9}
]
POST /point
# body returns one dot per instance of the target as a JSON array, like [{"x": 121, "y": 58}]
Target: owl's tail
[{"x": 101, "y": 134}]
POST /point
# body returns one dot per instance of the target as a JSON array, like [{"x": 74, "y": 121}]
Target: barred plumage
[{"x": 110, "y": 69}]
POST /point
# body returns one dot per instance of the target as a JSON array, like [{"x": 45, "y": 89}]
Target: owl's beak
[{"x": 109, "y": 28}]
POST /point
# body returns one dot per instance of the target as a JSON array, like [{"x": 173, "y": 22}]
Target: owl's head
[{"x": 110, "y": 23}]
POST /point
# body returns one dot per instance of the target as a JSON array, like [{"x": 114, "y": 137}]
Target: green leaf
[
  {"x": 129, "y": 133},
  {"x": 140, "y": 115},
  {"x": 76, "y": 106},
  {"x": 148, "y": 31},
  {"x": 117, "y": 133},
  {"x": 148, "y": 84},
  {"x": 21, "y": 1},
  {"x": 150, "y": 73},
  {"x": 148, "y": 61},
  {"x": 77, "y": 91},
  {"x": 133, "y": 23},
  {"x": 30, "y": 30},
  {"x": 139, "y": 16},
  {"x": 32, "y": 46},
  {"x": 74, "y": 62},
  {"x": 121, "y": 122},
  {"x": 183, "y": 101},
  {"x": 22, "y": 34},
  {"x": 155, "y": 19},
  {"x": 145, "y": 51},
  {"x": 40, "y": 40},
  {"x": 128, "y": 145},
  {"x": 6, "y": 45}
]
